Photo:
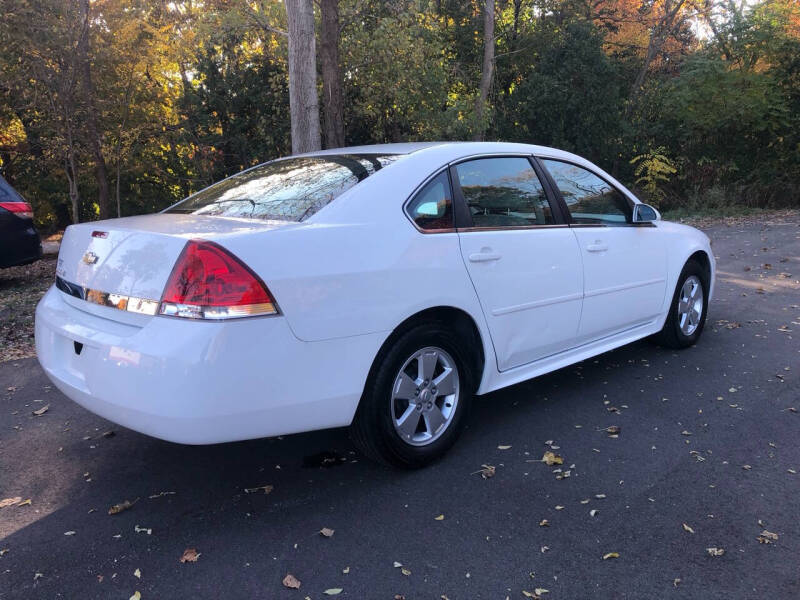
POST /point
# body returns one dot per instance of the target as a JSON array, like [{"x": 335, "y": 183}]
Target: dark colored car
[{"x": 19, "y": 242}]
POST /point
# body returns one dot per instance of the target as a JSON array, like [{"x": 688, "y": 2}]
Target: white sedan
[{"x": 376, "y": 287}]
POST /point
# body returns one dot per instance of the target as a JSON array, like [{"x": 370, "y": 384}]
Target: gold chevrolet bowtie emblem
[{"x": 90, "y": 258}]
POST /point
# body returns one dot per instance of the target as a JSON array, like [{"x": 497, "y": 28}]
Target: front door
[
  {"x": 525, "y": 264},
  {"x": 624, "y": 265}
]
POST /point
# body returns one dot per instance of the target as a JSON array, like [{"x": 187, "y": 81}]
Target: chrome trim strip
[
  {"x": 511, "y": 227},
  {"x": 619, "y": 288},
  {"x": 134, "y": 304},
  {"x": 537, "y": 304}
]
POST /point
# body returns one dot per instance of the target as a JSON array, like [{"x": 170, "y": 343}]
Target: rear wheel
[
  {"x": 687, "y": 313},
  {"x": 414, "y": 404}
]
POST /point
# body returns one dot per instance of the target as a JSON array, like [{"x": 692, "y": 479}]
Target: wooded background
[{"x": 119, "y": 107}]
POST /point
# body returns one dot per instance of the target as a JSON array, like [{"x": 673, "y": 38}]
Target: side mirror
[{"x": 644, "y": 213}]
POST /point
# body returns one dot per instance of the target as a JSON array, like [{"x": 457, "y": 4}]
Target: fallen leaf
[
  {"x": 191, "y": 555},
  {"x": 746, "y": 467},
  {"x": 676, "y": 581},
  {"x": 122, "y": 506},
  {"x": 613, "y": 430},
  {"x": 541, "y": 591},
  {"x": 397, "y": 565},
  {"x": 333, "y": 592},
  {"x": 137, "y": 573},
  {"x": 346, "y": 570},
  {"x": 487, "y": 471},
  {"x": 551, "y": 459},
  {"x": 593, "y": 513},
  {"x": 326, "y": 532},
  {"x": 10, "y": 501},
  {"x": 146, "y": 530},
  {"x": 503, "y": 447},
  {"x": 109, "y": 434},
  {"x": 405, "y": 571},
  {"x": 292, "y": 582},
  {"x": 439, "y": 518},
  {"x": 136, "y": 596},
  {"x": 69, "y": 533},
  {"x": 544, "y": 523},
  {"x": 715, "y": 551},
  {"x": 599, "y": 496},
  {"x": 559, "y": 507},
  {"x": 610, "y": 555},
  {"x": 265, "y": 488},
  {"x": 25, "y": 502},
  {"x": 684, "y": 432},
  {"x": 544, "y": 549},
  {"x": 767, "y": 537},
  {"x": 42, "y": 410},
  {"x": 4, "y": 551},
  {"x": 687, "y": 528}
]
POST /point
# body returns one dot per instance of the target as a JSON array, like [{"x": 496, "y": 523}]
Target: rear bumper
[{"x": 201, "y": 383}]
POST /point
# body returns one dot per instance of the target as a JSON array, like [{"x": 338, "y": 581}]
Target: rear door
[
  {"x": 523, "y": 260},
  {"x": 624, "y": 265}
]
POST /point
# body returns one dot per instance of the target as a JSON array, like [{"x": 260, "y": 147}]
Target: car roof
[{"x": 452, "y": 149}]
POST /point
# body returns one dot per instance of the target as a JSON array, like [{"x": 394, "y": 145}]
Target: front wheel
[
  {"x": 687, "y": 313},
  {"x": 416, "y": 400}
]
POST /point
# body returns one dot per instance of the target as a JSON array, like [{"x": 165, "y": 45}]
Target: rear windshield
[{"x": 291, "y": 189}]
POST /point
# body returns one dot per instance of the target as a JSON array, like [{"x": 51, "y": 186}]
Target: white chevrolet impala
[{"x": 376, "y": 287}]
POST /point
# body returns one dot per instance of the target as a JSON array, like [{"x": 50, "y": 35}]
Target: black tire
[
  {"x": 671, "y": 335},
  {"x": 373, "y": 429}
]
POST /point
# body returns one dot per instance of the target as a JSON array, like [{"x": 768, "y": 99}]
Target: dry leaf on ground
[
  {"x": 333, "y": 592},
  {"x": 767, "y": 537},
  {"x": 265, "y": 488},
  {"x": 550, "y": 459},
  {"x": 610, "y": 555},
  {"x": 715, "y": 551},
  {"x": 190, "y": 555},
  {"x": 326, "y": 532},
  {"x": 42, "y": 410},
  {"x": 122, "y": 506},
  {"x": 10, "y": 501},
  {"x": 687, "y": 528}
]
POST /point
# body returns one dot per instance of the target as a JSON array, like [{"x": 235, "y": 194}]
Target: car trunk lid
[{"x": 125, "y": 263}]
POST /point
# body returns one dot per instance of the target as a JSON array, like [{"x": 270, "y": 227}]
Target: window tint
[
  {"x": 503, "y": 192},
  {"x": 432, "y": 207},
  {"x": 589, "y": 198},
  {"x": 292, "y": 189}
]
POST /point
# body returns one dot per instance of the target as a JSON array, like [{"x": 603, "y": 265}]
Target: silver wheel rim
[
  {"x": 690, "y": 305},
  {"x": 425, "y": 396}
]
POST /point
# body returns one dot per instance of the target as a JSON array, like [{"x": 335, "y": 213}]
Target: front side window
[
  {"x": 432, "y": 207},
  {"x": 590, "y": 199},
  {"x": 292, "y": 189},
  {"x": 503, "y": 192}
]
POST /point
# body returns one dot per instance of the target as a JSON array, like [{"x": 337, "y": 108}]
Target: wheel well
[
  {"x": 461, "y": 323},
  {"x": 702, "y": 259}
]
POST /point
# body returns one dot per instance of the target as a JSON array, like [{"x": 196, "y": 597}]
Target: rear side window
[
  {"x": 590, "y": 199},
  {"x": 432, "y": 207},
  {"x": 503, "y": 192},
  {"x": 291, "y": 189}
]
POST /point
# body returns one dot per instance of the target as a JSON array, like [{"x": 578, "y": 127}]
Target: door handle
[
  {"x": 484, "y": 256},
  {"x": 598, "y": 246}
]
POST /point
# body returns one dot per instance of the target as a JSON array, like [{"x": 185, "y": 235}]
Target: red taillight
[
  {"x": 208, "y": 282},
  {"x": 21, "y": 209}
]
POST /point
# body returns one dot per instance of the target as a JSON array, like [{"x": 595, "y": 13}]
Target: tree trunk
[
  {"x": 303, "y": 103},
  {"x": 332, "y": 98},
  {"x": 487, "y": 70},
  {"x": 101, "y": 172}
]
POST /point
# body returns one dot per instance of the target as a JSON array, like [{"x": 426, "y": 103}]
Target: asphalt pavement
[{"x": 707, "y": 457}]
